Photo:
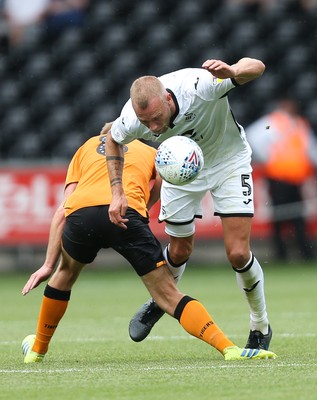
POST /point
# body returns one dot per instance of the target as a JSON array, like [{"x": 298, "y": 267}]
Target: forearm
[
  {"x": 115, "y": 160},
  {"x": 247, "y": 69},
  {"x": 54, "y": 242},
  {"x": 119, "y": 204}
]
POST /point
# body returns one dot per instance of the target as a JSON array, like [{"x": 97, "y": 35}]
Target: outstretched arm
[
  {"x": 53, "y": 250},
  {"x": 245, "y": 70}
]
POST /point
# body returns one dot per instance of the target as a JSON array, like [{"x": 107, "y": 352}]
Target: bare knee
[
  {"x": 180, "y": 249},
  {"x": 239, "y": 257}
]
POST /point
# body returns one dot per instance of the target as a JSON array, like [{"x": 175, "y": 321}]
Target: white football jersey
[{"x": 202, "y": 114}]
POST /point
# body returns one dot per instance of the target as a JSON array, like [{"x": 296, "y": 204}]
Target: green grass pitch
[{"x": 92, "y": 357}]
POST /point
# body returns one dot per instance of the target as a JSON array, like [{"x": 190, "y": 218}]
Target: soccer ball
[{"x": 179, "y": 160}]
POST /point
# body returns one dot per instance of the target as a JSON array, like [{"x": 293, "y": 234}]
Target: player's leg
[
  {"x": 145, "y": 247},
  {"x": 193, "y": 316},
  {"x": 150, "y": 313},
  {"x": 54, "y": 304},
  {"x": 78, "y": 250},
  {"x": 179, "y": 209},
  {"x": 233, "y": 202},
  {"x": 250, "y": 279}
]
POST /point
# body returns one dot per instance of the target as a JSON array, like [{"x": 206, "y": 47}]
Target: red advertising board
[{"x": 29, "y": 197}]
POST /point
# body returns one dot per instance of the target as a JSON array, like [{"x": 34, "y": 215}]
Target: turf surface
[{"x": 92, "y": 357}]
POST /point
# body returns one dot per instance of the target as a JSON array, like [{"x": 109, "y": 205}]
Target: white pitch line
[
  {"x": 159, "y": 337},
  {"x": 264, "y": 364}
]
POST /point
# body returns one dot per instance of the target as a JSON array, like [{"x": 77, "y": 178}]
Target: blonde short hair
[{"x": 144, "y": 89}]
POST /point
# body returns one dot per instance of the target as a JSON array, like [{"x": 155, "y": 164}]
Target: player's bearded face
[{"x": 156, "y": 116}]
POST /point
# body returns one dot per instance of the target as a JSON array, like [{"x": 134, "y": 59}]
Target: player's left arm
[{"x": 245, "y": 70}]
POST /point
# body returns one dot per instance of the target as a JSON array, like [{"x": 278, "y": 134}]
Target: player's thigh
[
  {"x": 181, "y": 205},
  {"x": 86, "y": 231},
  {"x": 139, "y": 245},
  {"x": 232, "y": 188}
]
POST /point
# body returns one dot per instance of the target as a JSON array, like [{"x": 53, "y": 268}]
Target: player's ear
[{"x": 169, "y": 98}]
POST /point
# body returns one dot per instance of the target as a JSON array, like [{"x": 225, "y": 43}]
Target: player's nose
[{"x": 154, "y": 127}]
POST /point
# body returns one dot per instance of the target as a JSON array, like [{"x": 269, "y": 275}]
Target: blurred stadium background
[{"x": 59, "y": 86}]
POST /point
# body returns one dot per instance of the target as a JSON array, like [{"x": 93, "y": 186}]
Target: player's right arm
[
  {"x": 53, "y": 250},
  {"x": 115, "y": 160}
]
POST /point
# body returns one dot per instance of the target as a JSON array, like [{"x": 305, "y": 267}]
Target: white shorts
[{"x": 231, "y": 188}]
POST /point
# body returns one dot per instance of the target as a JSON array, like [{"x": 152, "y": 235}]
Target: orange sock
[
  {"x": 54, "y": 305},
  {"x": 196, "y": 320}
]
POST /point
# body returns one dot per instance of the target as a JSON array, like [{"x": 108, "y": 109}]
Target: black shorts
[{"x": 89, "y": 229}]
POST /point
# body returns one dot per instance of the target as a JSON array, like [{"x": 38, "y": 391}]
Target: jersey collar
[{"x": 171, "y": 123}]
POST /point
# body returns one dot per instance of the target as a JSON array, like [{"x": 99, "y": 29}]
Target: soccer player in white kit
[{"x": 193, "y": 102}]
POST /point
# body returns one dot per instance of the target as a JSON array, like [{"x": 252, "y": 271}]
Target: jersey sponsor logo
[{"x": 189, "y": 116}]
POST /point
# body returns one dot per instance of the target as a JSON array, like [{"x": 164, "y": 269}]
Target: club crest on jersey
[
  {"x": 189, "y": 116},
  {"x": 101, "y": 148}
]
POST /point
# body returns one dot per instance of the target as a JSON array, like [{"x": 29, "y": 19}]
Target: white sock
[
  {"x": 251, "y": 282},
  {"x": 177, "y": 271}
]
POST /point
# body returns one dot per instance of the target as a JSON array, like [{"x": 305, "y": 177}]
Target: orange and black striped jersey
[{"x": 88, "y": 168}]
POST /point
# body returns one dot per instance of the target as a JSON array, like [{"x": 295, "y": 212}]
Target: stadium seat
[
  {"x": 27, "y": 146},
  {"x": 56, "y": 126},
  {"x": 9, "y": 94},
  {"x": 48, "y": 95},
  {"x": 66, "y": 149},
  {"x": 14, "y": 123},
  {"x": 79, "y": 78},
  {"x": 38, "y": 65},
  {"x": 89, "y": 96}
]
